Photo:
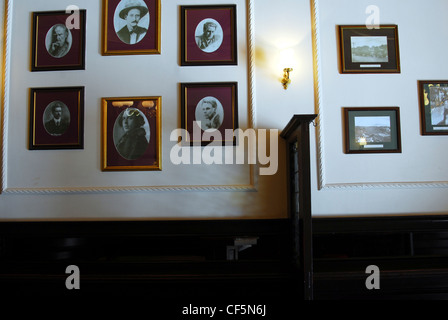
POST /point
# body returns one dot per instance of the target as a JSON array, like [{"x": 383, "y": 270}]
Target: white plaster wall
[{"x": 408, "y": 183}]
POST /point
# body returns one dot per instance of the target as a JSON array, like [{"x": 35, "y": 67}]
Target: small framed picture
[
  {"x": 131, "y": 133},
  {"x": 365, "y": 50},
  {"x": 56, "y": 118},
  {"x": 208, "y": 35},
  {"x": 59, "y": 40},
  {"x": 131, "y": 27},
  {"x": 208, "y": 110},
  {"x": 433, "y": 95},
  {"x": 372, "y": 130}
]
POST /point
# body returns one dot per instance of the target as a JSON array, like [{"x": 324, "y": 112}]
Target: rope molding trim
[{"x": 252, "y": 186}]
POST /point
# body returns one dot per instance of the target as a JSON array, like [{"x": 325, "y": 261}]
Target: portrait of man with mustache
[{"x": 132, "y": 12}]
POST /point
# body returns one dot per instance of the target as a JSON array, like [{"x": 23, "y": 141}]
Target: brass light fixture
[{"x": 286, "y": 80}]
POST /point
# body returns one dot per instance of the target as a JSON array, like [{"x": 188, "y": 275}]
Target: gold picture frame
[
  {"x": 118, "y": 40},
  {"x": 131, "y": 133}
]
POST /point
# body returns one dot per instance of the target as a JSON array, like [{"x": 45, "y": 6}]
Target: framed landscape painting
[{"x": 372, "y": 130}]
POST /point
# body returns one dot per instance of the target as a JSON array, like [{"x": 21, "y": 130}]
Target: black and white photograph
[
  {"x": 56, "y": 118},
  {"x": 209, "y": 35},
  {"x": 58, "y": 40},
  {"x": 369, "y": 49},
  {"x": 210, "y": 113},
  {"x": 131, "y": 134},
  {"x": 372, "y": 129},
  {"x": 131, "y": 21}
]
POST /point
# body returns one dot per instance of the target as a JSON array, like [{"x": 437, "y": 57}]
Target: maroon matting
[
  {"x": 40, "y": 100},
  {"x": 193, "y": 93},
  {"x": 41, "y": 58}
]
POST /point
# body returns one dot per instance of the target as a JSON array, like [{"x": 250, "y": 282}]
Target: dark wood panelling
[
  {"x": 172, "y": 261},
  {"x": 410, "y": 251}
]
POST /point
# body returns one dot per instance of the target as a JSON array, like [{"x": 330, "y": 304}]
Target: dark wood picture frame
[
  {"x": 196, "y": 48},
  {"x": 369, "y": 50},
  {"x": 58, "y": 40},
  {"x": 433, "y": 101},
  {"x": 49, "y": 104},
  {"x": 126, "y": 146},
  {"x": 372, "y": 130},
  {"x": 198, "y": 102},
  {"x": 118, "y": 40}
]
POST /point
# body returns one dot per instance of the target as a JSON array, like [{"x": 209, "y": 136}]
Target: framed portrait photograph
[
  {"x": 131, "y": 27},
  {"x": 372, "y": 130},
  {"x": 131, "y": 133},
  {"x": 208, "y": 35},
  {"x": 58, "y": 40},
  {"x": 364, "y": 50},
  {"x": 207, "y": 111},
  {"x": 56, "y": 118},
  {"x": 433, "y": 96}
]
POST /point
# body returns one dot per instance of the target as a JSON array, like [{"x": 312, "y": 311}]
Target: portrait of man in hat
[{"x": 131, "y": 12}]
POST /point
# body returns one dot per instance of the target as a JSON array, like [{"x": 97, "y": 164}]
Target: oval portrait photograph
[
  {"x": 209, "y": 35},
  {"x": 131, "y": 134},
  {"x": 210, "y": 113},
  {"x": 58, "y": 40},
  {"x": 131, "y": 21},
  {"x": 56, "y": 118}
]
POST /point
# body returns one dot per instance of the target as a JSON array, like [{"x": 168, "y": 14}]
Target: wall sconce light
[{"x": 286, "y": 80}]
